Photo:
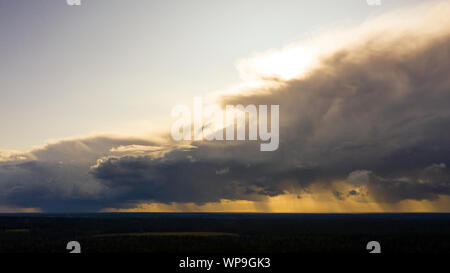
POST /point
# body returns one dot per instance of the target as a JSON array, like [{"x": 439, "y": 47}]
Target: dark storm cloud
[
  {"x": 374, "y": 114},
  {"x": 382, "y": 110},
  {"x": 377, "y": 106},
  {"x": 191, "y": 177},
  {"x": 375, "y": 110}
]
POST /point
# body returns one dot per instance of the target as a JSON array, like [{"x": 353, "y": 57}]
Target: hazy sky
[{"x": 114, "y": 66}]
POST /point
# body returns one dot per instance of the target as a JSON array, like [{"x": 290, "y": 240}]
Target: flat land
[{"x": 224, "y": 233}]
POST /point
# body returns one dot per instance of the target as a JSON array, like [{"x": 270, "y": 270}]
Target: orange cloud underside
[{"x": 291, "y": 203}]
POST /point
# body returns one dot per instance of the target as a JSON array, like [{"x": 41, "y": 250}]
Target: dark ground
[{"x": 243, "y": 233}]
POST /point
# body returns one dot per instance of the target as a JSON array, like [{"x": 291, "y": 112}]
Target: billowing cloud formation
[{"x": 372, "y": 115}]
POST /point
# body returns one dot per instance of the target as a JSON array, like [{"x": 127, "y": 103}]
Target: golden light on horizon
[{"x": 290, "y": 203}]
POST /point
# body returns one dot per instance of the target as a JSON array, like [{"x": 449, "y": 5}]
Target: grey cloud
[
  {"x": 188, "y": 178},
  {"x": 56, "y": 177}
]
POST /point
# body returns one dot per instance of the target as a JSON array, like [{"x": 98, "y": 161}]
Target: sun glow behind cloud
[
  {"x": 296, "y": 60},
  {"x": 285, "y": 64}
]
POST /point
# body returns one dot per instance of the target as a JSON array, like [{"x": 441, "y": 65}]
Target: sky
[
  {"x": 114, "y": 66},
  {"x": 87, "y": 92}
]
